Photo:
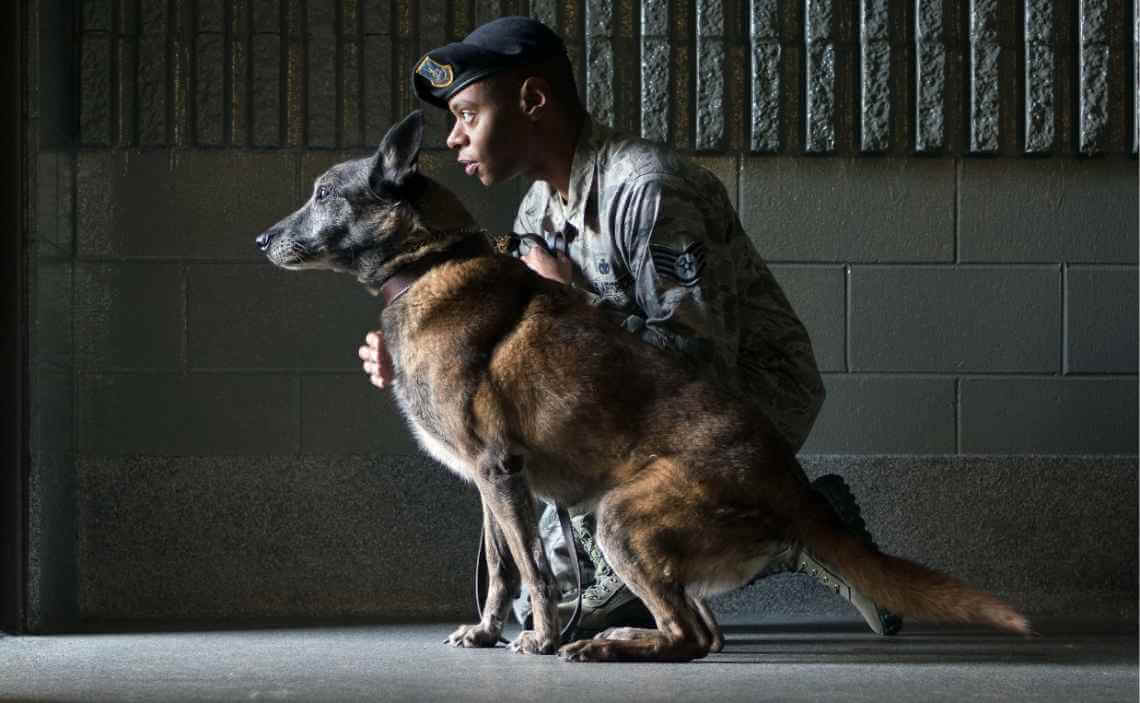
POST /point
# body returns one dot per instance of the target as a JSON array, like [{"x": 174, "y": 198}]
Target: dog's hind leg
[
  {"x": 710, "y": 624},
  {"x": 648, "y": 555},
  {"x": 641, "y": 633}
]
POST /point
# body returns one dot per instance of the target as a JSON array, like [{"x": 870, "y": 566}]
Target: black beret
[{"x": 493, "y": 47}]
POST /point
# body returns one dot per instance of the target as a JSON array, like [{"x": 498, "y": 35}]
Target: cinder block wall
[{"x": 947, "y": 190}]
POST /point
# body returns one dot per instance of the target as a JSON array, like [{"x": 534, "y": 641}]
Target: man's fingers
[
  {"x": 372, "y": 339},
  {"x": 366, "y": 353}
]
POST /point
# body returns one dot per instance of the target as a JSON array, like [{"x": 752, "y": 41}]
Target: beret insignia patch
[
  {"x": 685, "y": 266},
  {"x": 439, "y": 75}
]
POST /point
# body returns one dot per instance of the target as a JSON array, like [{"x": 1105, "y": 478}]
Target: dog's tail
[{"x": 901, "y": 586}]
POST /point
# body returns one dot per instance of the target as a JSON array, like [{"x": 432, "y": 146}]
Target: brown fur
[{"x": 521, "y": 387}]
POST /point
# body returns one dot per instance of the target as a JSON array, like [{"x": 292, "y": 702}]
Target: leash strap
[{"x": 570, "y": 629}]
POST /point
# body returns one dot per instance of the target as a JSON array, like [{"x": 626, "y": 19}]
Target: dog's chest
[{"x": 424, "y": 421}]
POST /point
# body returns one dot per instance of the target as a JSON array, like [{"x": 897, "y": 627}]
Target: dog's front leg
[
  {"x": 504, "y": 488},
  {"x": 502, "y": 585}
]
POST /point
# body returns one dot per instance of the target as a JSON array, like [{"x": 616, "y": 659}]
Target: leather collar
[{"x": 399, "y": 282}]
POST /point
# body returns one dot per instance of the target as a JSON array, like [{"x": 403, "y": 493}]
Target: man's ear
[
  {"x": 534, "y": 94},
  {"x": 396, "y": 157}
]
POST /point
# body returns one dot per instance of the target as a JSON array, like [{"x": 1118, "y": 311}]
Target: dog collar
[{"x": 400, "y": 282}]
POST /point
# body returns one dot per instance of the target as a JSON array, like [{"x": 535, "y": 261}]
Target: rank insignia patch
[
  {"x": 439, "y": 75},
  {"x": 685, "y": 267}
]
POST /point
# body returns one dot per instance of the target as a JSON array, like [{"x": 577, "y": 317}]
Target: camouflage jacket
[{"x": 655, "y": 238}]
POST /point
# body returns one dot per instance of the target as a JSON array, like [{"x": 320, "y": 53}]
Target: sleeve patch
[{"x": 685, "y": 266}]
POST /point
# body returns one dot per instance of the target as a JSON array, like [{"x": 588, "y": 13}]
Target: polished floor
[{"x": 760, "y": 662}]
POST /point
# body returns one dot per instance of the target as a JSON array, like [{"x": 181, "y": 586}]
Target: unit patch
[
  {"x": 439, "y": 75},
  {"x": 685, "y": 267}
]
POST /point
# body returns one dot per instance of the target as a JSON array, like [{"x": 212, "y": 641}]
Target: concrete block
[
  {"x": 1049, "y": 416},
  {"x": 52, "y": 410},
  {"x": 55, "y": 205},
  {"x": 1101, "y": 331},
  {"x": 346, "y": 414},
  {"x": 884, "y": 415},
  {"x": 251, "y": 316},
  {"x": 227, "y": 538},
  {"x": 799, "y": 209},
  {"x": 130, "y": 316},
  {"x": 494, "y": 208},
  {"x": 218, "y": 414},
  {"x": 955, "y": 319},
  {"x": 818, "y": 295},
  {"x": 205, "y": 204},
  {"x": 1057, "y": 210}
]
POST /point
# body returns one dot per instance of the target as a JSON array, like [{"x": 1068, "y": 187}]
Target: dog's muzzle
[{"x": 265, "y": 239}]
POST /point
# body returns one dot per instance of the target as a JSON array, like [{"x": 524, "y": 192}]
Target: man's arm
[
  {"x": 685, "y": 283},
  {"x": 558, "y": 267}
]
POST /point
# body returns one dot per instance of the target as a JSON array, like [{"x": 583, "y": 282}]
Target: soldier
[{"x": 646, "y": 234}]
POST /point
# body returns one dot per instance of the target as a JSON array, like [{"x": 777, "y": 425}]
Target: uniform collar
[{"x": 586, "y": 151}]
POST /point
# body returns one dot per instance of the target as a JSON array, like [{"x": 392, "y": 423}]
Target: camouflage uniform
[{"x": 654, "y": 238}]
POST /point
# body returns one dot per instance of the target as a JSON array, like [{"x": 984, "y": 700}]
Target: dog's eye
[{"x": 322, "y": 193}]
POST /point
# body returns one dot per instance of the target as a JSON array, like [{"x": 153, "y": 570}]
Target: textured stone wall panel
[
  {"x": 266, "y": 99},
  {"x": 209, "y": 83},
  {"x": 95, "y": 106},
  {"x": 875, "y": 78},
  {"x": 1040, "y": 72},
  {"x": 655, "y": 75},
  {"x": 930, "y": 76}
]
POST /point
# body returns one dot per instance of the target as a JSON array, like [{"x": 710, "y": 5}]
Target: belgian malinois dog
[{"x": 520, "y": 386}]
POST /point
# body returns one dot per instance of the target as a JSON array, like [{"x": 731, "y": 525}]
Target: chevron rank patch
[
  {"x": 685, "y": 267},
  {"x": 439, "y": 75}
]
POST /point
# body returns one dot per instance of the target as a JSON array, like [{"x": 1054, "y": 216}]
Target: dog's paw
[
  {"x": 472, "y": 636},
  {"x": 528, "y": 642},
  {"x": 585, "y": 651}
]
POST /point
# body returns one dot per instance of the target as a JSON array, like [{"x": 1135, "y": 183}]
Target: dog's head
[{"x": 368, "y": 216}]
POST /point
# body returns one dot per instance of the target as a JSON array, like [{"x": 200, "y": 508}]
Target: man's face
[{"x": 488, "y": 133}]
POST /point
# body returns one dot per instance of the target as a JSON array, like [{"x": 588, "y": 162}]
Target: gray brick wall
[{"x": 947, "y": 190}]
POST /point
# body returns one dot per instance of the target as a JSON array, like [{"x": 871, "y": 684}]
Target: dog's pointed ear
[{"x": 399, "y": 151}]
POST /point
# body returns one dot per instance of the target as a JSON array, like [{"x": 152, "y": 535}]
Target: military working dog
[{"x": 499, "y": 372}]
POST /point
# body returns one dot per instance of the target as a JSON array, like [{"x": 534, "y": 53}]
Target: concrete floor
[{"x": 779, "y": 662}]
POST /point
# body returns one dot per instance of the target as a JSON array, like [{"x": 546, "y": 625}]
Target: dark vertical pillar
[{"x": 13, "y": 323}]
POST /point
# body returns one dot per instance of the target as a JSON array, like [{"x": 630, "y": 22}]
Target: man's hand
[
  {"x": 556, "y": 268},
  {"x": 377, "y": 363}
]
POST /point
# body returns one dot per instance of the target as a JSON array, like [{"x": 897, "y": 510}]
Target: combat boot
[
  {"x": 797, "y": 559},
  {"x": 607, "y": 602}
]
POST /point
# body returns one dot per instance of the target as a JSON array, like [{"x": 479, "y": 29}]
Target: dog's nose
[{"x": 264, "y": 240}]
